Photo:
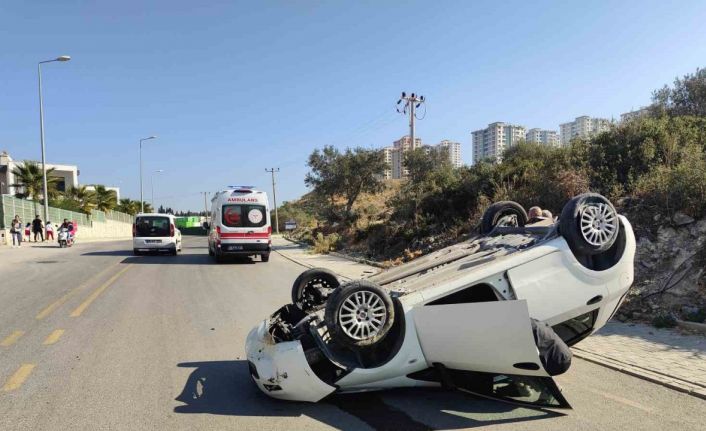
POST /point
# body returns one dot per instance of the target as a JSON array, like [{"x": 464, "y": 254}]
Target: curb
[
  {"x": 692, "y": 326},
  {"x": 642, "y": 373},
  {"x": 358, "y": 259}
]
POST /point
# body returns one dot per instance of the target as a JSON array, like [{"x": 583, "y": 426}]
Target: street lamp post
[
  {"x": 45, "y": 192},
  {"x": 142, "y": 200},
  {"x": 158, "y": 171}
]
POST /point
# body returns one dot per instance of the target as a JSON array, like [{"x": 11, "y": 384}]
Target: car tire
[
  {"x": 265, "y": 257},
  {"x": 497, "y": 211},
  {"x": 136, "y": 252},
  {"x": 589, "y": 223},
  {"x": 348, "y": 314},
  {"x": 219, "y": 257},
  {"x": 308, "y": 289}
]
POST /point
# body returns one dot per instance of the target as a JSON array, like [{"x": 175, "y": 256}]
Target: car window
[
  {"x": 152, "y": 226},
  {"x": 244, "y": 215}
]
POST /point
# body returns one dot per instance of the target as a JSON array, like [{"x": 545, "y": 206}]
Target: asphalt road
[{"x": 93, "y": 338}]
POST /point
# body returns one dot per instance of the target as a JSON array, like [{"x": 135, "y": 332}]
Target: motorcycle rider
[{"x": 69, "y": 227}]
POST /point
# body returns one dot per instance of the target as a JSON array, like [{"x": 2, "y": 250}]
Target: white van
[
  {"x": 240, "y": 224},
  {"x": 155, "y": 233}
]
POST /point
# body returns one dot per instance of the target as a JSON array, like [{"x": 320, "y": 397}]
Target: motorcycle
[{"x": 65, "y": 238}]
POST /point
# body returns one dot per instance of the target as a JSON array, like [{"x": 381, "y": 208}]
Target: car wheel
[
  {"x": 313, "y": 287},
  {"x": 265, "y": 257},
  {"x": 219, "y": 257},
  {"x": 136, "y": 252},
  {"x": 504, "y": 213},
  {"x": 359, "y": 314},
  {"x": 589, "y": 223}
]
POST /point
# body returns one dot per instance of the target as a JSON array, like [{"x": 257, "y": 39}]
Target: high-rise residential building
[
  {"x": 489, "y": 143},
  {"x": 545, "y": 137},
  {"x": 454, "y": 151},
  {"x": 582, "y": 127},
  {"x": 387, "y": 152},
  {"x": 399, "y": 147},
  {"x": 634, "y": 114}
]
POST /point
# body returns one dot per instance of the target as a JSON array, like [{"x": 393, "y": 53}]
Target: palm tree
[
  {"x": 104, "y": 199},
  {"x": 148, "y": 207},
  {"x": 83, "y": 197},
  {"x": 28, "y": 177}
]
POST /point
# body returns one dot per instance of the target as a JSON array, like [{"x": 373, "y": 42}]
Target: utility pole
[
  {"x": 411, "y": 103},
  {"x": 274, "y": 196},
  {"x": 205, "y": 203}
]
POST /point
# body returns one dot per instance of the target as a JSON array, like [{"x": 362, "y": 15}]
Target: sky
[{"x": 232, "y": 88}]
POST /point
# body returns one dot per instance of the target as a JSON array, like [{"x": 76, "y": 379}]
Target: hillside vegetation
[{"x": 652, "y": 167}]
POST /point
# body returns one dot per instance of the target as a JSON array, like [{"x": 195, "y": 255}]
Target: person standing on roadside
[
  {"x": 38, "y": 228},
  {"x": 50, "y": 231},
  {"x": 28, "y": 229},
  {"x": 16, "y": 231}
]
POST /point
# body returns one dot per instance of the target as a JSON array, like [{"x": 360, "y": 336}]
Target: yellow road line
[
  {"x": 11, "y": 339},
  {"x": 53, "y": 337},
  {"x": 16, "y": 380},
  {"x": 92, "y": 297},
  {"x": 56, "y": 304}
]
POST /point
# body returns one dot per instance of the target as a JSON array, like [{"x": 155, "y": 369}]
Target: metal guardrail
[{"x": 27, "y": 210}]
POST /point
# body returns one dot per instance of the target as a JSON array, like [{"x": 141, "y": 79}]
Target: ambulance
[{"x": 240, "y": 224}]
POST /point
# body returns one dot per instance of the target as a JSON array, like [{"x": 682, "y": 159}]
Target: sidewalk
[
  {"x": 662, "y": 356},
  {"x": 344, "y": 267}
]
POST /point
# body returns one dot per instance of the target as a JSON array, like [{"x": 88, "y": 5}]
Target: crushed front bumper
[{"x": 280, "y": 370}]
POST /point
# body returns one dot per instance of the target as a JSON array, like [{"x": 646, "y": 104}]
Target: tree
[
  {"x": 104, "y": 199},
  {"x": 29, "y": 177},
  {"x": 340, "y": 178},
  {"x": 686, "y": 97},
  {"x": 82, "y": 198}
]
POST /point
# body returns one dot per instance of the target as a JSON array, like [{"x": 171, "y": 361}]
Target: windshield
[
  {"x": 244, "y": 215},
  {"x": 152, "y": 226}
]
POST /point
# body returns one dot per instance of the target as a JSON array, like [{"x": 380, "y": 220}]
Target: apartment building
[
  {"x": 454, "y": 151},
  {"x": 399, "y": 147},
  {"x": 627, "y": 116},
  {"x": 489, "y": 143},
  {"x": 545, "y": 137},
  {"x": 67, "y": 175},
  {"x": 582, "y": 127},
  {"x": 387, "y": 153}
]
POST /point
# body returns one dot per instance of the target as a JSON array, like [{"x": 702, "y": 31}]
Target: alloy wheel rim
[
  {"x": 362, "y": 315},
  {"x": 598, "y": 224}
]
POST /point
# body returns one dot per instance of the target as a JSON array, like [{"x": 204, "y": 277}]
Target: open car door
[{"x": 487, "y": 348}]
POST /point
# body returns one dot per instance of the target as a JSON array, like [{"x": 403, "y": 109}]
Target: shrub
[
  {"x": 323, "y": 244},
  {"x": 664, "y": 320}
]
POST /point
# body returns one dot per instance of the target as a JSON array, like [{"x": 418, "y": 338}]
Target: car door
[
  {"x": 488, "y": 349},
  {"x": 492, "y": 337}
]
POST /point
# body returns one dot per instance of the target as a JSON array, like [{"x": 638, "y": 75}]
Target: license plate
[
  {"x": 235, "y": 247},
  {"x": 153, "y": 241}
]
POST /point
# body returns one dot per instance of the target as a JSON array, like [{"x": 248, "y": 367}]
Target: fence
[{"x": 27, "y": 210}]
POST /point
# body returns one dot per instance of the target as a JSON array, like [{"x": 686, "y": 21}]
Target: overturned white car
[{"x": 493, "y": 315}]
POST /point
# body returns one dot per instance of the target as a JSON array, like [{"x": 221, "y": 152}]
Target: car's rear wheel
[
  {"x": 504, "y": 213},
  {"x": 265, "y": 257},
  {"x": 589, "y": 223},
  {"x": 313, "y": 287},
  {"x": 359, "y": 314}
]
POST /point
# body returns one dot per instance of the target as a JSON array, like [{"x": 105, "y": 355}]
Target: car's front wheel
[
  {"x": 589, "y": 223},
  {"x": 359, "y": 314}
]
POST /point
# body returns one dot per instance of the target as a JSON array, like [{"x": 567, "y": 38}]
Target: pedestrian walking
[
  {"x": 50, "y": 231},
  {"x": 38, "y": 228},
  {"x": 16, "y": 231},
  {"x": 28, "y": 228}
]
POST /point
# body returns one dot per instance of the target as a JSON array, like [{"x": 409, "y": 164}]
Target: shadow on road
[
  {"x": 225, "y": 388},
  {"x": 183, "y": 259}
]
